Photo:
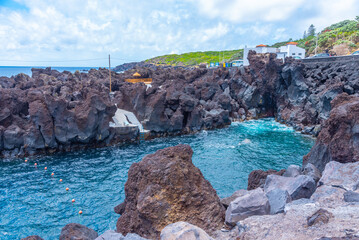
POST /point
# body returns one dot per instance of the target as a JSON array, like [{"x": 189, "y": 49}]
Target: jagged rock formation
[
  {"x": 53, "y": 111},
  {"x": 339, "y": 138},
  {"x": 165, "y": 187}
]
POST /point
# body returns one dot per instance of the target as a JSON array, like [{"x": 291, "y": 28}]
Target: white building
[{"x": 290, "y": 50}]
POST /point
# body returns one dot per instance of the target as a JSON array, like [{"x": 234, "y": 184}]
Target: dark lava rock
[
  {"x": 33, "y": 237},
  {"x": 165, "y": 187},
  {"x": 77, "y": 231},
  {"x": 257, "y": 178},
  {"x": 321, "y": 216},
  {"x": 119, "y": 209},
  {"x": 339, "y": 137}
]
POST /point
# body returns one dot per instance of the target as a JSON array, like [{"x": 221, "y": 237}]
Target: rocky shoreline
[
  {"x": 53, "y": 111},
  {"x": 167, "y": 197}
]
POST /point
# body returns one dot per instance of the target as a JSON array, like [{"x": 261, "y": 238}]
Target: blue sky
[{"x": 56, "y": 33}]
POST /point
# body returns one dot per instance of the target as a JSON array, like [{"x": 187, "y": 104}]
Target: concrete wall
[{"x": 348, "y": 58}]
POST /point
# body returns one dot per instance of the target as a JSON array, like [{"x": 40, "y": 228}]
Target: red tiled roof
[
  {"x": 292, "y": 43},
  {"x": 261, "y": 45}
]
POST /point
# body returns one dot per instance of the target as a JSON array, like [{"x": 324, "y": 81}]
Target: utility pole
[
  {"x": 316, "y": 44},
  {"x": 109, "y": 69}
]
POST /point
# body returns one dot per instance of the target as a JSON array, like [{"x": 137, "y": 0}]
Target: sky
[{"x": 84, "y": 33}]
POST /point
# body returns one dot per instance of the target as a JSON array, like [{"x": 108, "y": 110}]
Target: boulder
[
  {"x": 278, "y": 198},
  {"x": 321, "y": 216},
  {"x": 253, "y": 203},
  {"x": 328, "y": 196},
  {"x": 112, "y": 235},
  {"x": 311, "y": 171},
  {"x": 77, "y": 231},
  {"x": 297, "y": 187},
  {"x": 341, "y": 175},
  {"x": 292, "y": 171},
  {"x": 183, "y": 231},
  {"x": 33, "y": 237},
  {"x": 257, "y": 178},
  {"x": 351, "y": 196},
  {"x": 226, "y": 201},
  {"x": 166, "y": 187}
]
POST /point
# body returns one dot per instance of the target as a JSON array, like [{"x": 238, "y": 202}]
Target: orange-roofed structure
[
  {"x": 261, "y": 45},
  {"x": 292, "y": 43}
]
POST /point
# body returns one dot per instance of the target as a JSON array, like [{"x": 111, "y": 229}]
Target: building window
[
  {"x": 293, "y": 54},
  {"x": 300, "y": 54}
]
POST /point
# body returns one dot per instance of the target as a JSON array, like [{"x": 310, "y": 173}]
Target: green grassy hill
[
  {"x": 340, "y": 39},
  {"x": 196, "y": 58}
]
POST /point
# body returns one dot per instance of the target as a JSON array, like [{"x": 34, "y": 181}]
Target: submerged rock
[
  {"x": 77, "y": 231},
  {"x": 165, "y": 187},
  {"x": 183, "y": 231}
]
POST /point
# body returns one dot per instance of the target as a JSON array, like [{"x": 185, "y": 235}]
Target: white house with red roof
[{"x": 289, "y": 50}]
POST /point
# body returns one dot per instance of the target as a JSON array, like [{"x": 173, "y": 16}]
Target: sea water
[
  {"x": 8, "y": 71},
  {"x": 34, "y": 202}
]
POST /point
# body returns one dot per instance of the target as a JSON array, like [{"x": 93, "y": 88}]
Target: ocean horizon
[{"x": 8, "y": 71}]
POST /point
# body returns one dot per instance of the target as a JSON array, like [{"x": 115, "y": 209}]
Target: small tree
[
  {"x": 357, "y": 18},
  {"x": 305, "y": 34},
  {"x": 311, "y": 30}
]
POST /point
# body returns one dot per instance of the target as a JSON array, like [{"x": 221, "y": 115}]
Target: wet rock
[
  {"x": 297, "y": 187},
  {"x": 292, "y": 171},
  {"x": 77, "y": 231},
  {"x": 257, "y": 178},
  {"x": 278, "y": 198},
  {"x": 311, "y": 171},
  {"x": 253, "y": 203},
  {"x": 321, "y": 216},
  {"x": 183, "y": 231},
  {"x": 351, "y": 196},
  {"x": 166, "y": 187},
  {"x": 226, "y": 201},
  {"x": 33, "y": 237},
  {"x": 341, "y": 175}
]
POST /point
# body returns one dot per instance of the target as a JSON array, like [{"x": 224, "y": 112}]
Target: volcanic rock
[
  {"x": 183, "y": 231},
  {"x": 345, "y": 176},
  {"x": 165, "y": 187},
  {"x": 257, "y": 178},
  {"x": 33, "y": 237},
  {"x": 338, "y": 139},
  {"x": 298, "y": 187},
  {"x": 112, "y": 235},
  {"x": 253, "y": 203},
  {"x": 77, "y": 231},
  {"x": 278, "y": 198},
  {"x": 351, "y": 196},
  {"x": 321, "y": 216}
]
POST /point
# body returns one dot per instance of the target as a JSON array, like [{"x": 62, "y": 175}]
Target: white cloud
[
  {"x": 136, "y": 30},
  {"x": 248, "y": 11}
]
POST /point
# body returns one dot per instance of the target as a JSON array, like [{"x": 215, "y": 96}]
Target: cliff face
[{"x": 53, "y": 111}]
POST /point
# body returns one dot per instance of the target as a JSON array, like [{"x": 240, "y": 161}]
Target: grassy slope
[{"x": 344, "y": 34}]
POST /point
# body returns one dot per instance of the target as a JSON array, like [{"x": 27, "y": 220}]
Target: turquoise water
[
  {"x": 9, "y": 71},
  {"x": 34, "y": 202}
]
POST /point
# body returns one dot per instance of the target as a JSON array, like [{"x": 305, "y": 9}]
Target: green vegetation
[
  {"x": 196, "y": 58},
  {"x": 340, "y": 38}
]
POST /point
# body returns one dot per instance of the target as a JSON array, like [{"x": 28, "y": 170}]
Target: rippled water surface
[{"x": 34, "y": 202}]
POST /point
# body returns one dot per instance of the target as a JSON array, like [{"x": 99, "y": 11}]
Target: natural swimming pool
[{"x": 34, "y": 202}]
